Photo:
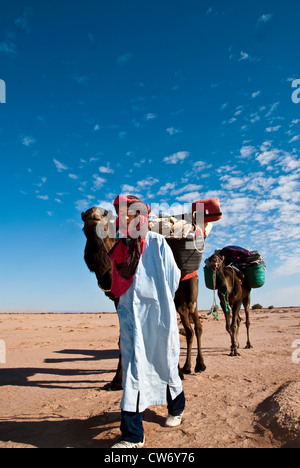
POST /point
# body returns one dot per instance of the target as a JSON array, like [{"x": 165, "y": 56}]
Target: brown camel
[
  {"x": 233, "y": 291},
  {"x": 98, "y": 261}
]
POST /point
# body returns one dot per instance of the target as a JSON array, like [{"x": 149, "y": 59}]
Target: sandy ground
[{"x": 56, "y": 365}]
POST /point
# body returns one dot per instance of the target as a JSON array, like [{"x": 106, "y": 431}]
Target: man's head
[{"x": 133, "y": 215}]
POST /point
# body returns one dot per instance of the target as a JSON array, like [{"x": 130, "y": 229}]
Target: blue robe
[{"x": 150, "y": 345}]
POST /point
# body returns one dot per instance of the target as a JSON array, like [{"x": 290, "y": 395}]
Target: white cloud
[
  {"x": 122, "y": 59},
  {"x": 150, "y": 116},
  {"x": 263, "y": 19},
  {"x": 130, "y": 190},
  {"x": 73, "y": 176},
  {"x": 244, "y": 56},
  {"x": 291, "y": 266},
  {"x": 147, "y": 183},
  {"x": 288, "y": 188},
  {"x": 273, "y": 129},
  {"x": 82, "y": 205},
  {"x": 8, "y": 48},
  {"x": 247, "y": 151},
  {"x": 42, "y": 197},
  {"x": 173, "y": 131},
  {"x": 28, "y": 141},
  {"x": 166, "y": 188},
  {"x": 201, "y": 166},
  {"x": 288, "y": 163},
  {"x": 60, "y": 166},
  {"x": 266, "y": 157},
  {"x": 187, "y": 188},
  {"x": 106, "y": 170},
  {"x": 269, "y": 205},
  {"x": 272, "y": 109},
  {"x": 233, "y": 183},
  {"x": 226, "y": 168},
  {"x": 122, "y": 134},
  {"x": 98, "y": 182},
  {"x": 176, "y": 157},
  {"x": 189, "y": 197},
  {"x": 80, "y": 79},
  {"x": 107, "y": 205},
  {"x": 295, "y": 138}
]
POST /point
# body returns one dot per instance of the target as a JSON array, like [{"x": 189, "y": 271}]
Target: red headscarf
[{"x": 126, "y": 254}]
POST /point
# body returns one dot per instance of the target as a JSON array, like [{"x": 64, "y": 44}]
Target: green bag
[
  {"x": 255, "y": 276},
  {"x": 209, "y": 277}
]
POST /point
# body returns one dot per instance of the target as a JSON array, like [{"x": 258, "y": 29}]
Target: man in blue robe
[{"x": 145, "y": 278}]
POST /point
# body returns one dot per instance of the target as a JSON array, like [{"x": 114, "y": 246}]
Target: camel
[
  {"x": 98, "y": 261},
  {"x": 233, "y": 291}
]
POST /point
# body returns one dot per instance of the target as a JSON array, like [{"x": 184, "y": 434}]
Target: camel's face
[
  {"x": 216, "y": 261},
  {"x": 93, "y": 216}
]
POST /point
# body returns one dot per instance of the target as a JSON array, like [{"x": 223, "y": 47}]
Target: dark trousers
[{"x": 132, "y": 423}]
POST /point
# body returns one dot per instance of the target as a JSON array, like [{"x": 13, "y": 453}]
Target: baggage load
[
  {"x": 255, "y": 275},
  {"x": 250, "y": 262},
  {"x": 212, "y": 209},
  {"x": 185, "y": 236},
  {"x": 209, "y": 276},
  {"x": 186, "y": 239},
  {"x": 187, "y": 252}
]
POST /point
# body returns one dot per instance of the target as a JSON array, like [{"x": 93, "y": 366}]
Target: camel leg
[
  {"x": 200, "y": 366},
  {"x": 235, "y": 324},
  {"x": 185, "y": 320},
  {"x": 227, "y": 314},
  {"x": 246, "y": 304},
  {"x": 116, "y": 383},
  {"x": 227, "y": 319}
]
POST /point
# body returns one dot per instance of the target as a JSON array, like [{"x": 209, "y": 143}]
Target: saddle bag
[
  {"x": 187, "y": 252},
  {"x": 255, "y": 275},
  {"x": 250, "y": 262},
  {"x": 209, "y": 276}
]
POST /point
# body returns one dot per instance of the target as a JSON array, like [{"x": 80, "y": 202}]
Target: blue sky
[{"x": 175, "y": 101}]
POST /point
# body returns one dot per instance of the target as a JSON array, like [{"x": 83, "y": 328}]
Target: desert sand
[{"x": 56, "y": 365}]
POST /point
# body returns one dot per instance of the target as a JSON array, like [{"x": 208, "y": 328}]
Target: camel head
[
  {"x": 216, "y": 261},
  {"x": 93, "y": 216},
  {"x": 91, "y": 219}
]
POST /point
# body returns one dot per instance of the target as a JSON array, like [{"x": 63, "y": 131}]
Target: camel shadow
[
  {"x": 24, "y": 377},
  {"x": 72, "y": 433},
  {"x": 90, "y": 355}
]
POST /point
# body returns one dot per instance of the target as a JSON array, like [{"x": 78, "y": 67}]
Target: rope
[
  {"x": 203, "y": 240},
  {"x": 226, "y": 298},
  {"x": 104, "y": 290},
  {"x": 214, "y": 311}
]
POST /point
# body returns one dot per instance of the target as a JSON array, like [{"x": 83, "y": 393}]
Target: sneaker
[
  {"x": 173, "y": 421},
  {"x": 123, "y": 444}
]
